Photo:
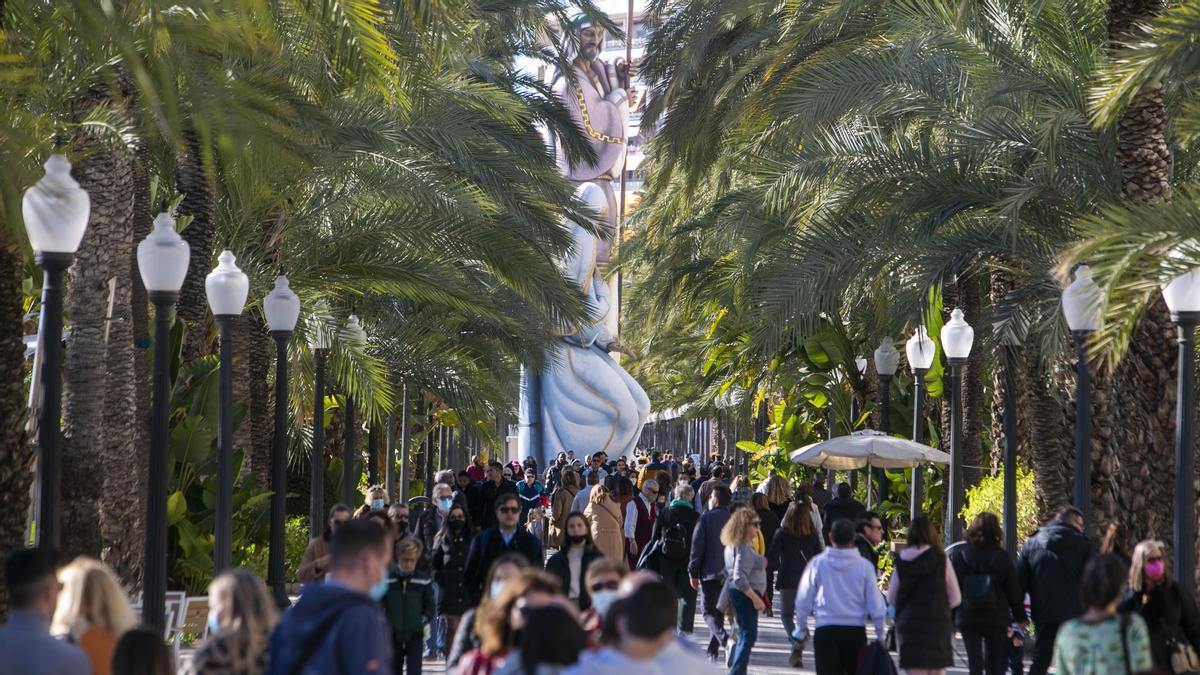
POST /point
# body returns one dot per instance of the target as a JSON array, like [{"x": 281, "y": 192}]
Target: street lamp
[
  {"x": 163, "y": 263},
  {"x": 887, "y": 359},
  {"x": 282, "y": 308},
  {"x": 860, "y": 366},
  {"x": 1081, "y": 306},
  {"x": 1010, "y": 342},
  {"x": 226, "y": 287},
  {"x": 56, "y": 214},
  {"x": 1183, "y": 299},
  {"x": 355, "y": 336},
  {"x": 920, "y": 350},
  {"x": 957, "y": 337},
  {"x": 318, "y": 342}
]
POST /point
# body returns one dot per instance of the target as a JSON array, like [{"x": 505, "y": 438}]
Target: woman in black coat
[
  {"x": 449, "y": 558},
  {"x": 793, "y": 545},
  {"x": 769, "y": 526},
  {"x": 924, "y": 590},
  {"x": 1170, "y": 615},
  {"x": 992, "y": 598},
  {"x": 570, "y": 563}
]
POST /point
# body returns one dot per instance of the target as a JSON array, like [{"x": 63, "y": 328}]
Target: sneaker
[
  {"x": 729, "y": 645},
  {"x": 796, "y": 658}
]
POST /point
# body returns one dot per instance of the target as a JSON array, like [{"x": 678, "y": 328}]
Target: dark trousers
[
  {"x": 1043, "y": 648},
  {"x": 408, "y": 655},
  {"x": 836, "y": 648},
  {"x": 677, "y": 575},
  {"x": 986, "y": 651},
  {"x": 713, "y": 618}
]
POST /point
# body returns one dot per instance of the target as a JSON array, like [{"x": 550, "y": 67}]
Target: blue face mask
[
  {"x": 445, "y": 503},
  {"x": 603, "y": 600},
  {"x": 379, "y": 589},
  {"x": 377, "y": 504},
  {"x": 214, "y": 623}
]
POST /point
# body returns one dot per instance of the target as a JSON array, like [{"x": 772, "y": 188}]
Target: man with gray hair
[
  {"x": 580, "y": 502},
  {"x": 640, "y": 514}
]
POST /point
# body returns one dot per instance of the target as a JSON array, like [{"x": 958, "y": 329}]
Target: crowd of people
[{"x": 596, "y": 564}]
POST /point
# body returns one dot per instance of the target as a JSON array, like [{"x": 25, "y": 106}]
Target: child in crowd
[{"x": 409, "y": 605}]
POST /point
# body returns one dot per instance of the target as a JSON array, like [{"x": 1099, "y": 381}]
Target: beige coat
[
  {"x": 560, "y": 508},
  {"x": 608, "y": 527}
]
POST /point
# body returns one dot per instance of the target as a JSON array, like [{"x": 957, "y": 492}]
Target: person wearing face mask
[
  {"x": 241, "y": 616},
  {"x": 505, "y": 537},
  {"x": 430, "y": 520},
  {"x": 449, "y": 557},
  {"x": 602, "y": 580},
  {"x": 398, "y": 514},
  {"x": 570, "y": 564},
  {"x": 409, "y": 606},
  {"x": 1170, "y": 615},
  {"x": 506, "y": 568},
  {"x": 338, "y": 627},
  {"x": 316, "y": 557},
  {"x": 502, "y": 619},
  {"x": 376, "y": 501}
]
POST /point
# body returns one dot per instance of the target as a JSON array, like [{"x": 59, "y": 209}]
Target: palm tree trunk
[
  {"x": 16, "y": 453},
  {"x": 195, "y": 183}
]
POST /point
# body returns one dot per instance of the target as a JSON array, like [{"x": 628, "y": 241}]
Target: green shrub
[
  {"x": 988, "y": 495},
  {"x": 295, "y": 541}
]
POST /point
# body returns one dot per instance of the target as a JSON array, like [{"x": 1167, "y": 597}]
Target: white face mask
[
  {"x": 497, "y": 587},
  {"x": 603, "y": 600}
]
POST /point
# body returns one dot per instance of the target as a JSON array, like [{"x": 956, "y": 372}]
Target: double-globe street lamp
[
  {"x": 162, "y": 259},
  {"x": 226, "y": 287},
  {"x": 282, "y": 309},
  {"x": 1182, "y": 295},
  {"x": 1081, "y": 307},
  {"x": 887, "y": 359},
  {"x": 920, "y": 350},
  {"x": 957, "y": 338},
  {"x": 56, "y": 214}
]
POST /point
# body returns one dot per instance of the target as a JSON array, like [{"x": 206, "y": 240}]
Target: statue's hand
[{"x": 616, "y": 346}]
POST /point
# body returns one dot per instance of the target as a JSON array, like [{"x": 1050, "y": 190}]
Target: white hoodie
[
  {"x": 839, "y": 587},
  {"x": 675, "y": 659}
]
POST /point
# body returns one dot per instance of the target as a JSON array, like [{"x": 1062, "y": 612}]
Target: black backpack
[
  {"x": 978, "y": 589},
  {"x": 674, "y": 543}
]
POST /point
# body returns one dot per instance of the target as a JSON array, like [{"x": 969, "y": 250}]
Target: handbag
[{"x": 1183, "y": 657}]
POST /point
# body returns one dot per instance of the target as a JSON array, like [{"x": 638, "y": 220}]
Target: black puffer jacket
[
  {"x": 1169, "y": 615},
  {"x": 1050, "y": 568},
  {"x": 1007, "y": 601},
  {"x": 923, "y": 624},
  {"x": 790, "y": 555},
  {"x": 450, "y": 569}
]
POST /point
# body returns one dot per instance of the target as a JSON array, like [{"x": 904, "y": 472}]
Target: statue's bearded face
[{"x": 590, "y": 40}]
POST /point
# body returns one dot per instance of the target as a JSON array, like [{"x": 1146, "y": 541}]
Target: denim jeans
[
  {"x": 436, "y": 644},
  {"x": 747, "y": 634}
]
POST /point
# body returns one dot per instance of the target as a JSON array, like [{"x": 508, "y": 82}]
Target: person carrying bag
[{"x": 1170, "y": 616}]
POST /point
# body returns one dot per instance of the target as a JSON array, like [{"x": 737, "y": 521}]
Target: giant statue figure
[{"x": 584, "y": 400}]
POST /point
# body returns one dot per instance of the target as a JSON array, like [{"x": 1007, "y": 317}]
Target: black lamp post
[
  {"x": 163, "y": 258},
  {"x": 56, "y": 214},
  {"x": 1081, "y": 306},
  {"x": 318, "y": 342},
  {"x": 1010, "y": 345},
  {"x": 1183, "y": 299},
  {"x": 226, "y": 287},
  {"x": 957, "y": 338},
  {"x": 282, "y": 309},
  {"x": 887, "y": 359},
  {"x": 358, "y": 337},
  {"x": 920, "y": 350}
]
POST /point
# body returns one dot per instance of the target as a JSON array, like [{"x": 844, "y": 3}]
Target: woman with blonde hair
[
  {"x": 607, "y": 523},
  {"x": 241, "y": 616},
  {"x": 746, "y": 574},
  {"x": 93, "y": 611},
  {"x": 1170, "y": 615},
  {"x": 779, "y": 494}
]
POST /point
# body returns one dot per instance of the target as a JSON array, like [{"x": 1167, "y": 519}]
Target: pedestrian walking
[
  {"x": 92, "y": 611},
  {"x": 820, "y": 495},
  {"x": 494, "y": 485},
  {"x": 507, "y": 567},
  {"x": 553, "y": 477},
  {"x": 1100, "y": 642},
  {"x": 795, "y": 543},
  {"x": 409, "y": 605},
  {"x": 923, "y": 590},
  {"x": 429, "y": 522},
  {"x": 673, "y": 531},
  {"x": 337, "y": 628},
  {"x": 746, "y": 572},
  {"x": 844, "y": 505},
  {"x": 550, "y": 641},
  {"x": 530, "y": 491},
  {"x": 992, "y": 598},
  {"x": 466, "y": 492},
  {"x": 779, "y": 494},
  {"x": 1049, "y": 569},
  {"x": 570, "y": 563},
  {"x": 501, "y": 620},
  {"x": 1169, "y": 614},
  {"x": 740, "y": 489},
  {"x": 640, "y": 514},
  {"x": 706, "y": 567},
  {"x": 449, "y": 562},
  {"x": 26, "y": 646},
  {"x": 536, "y": 524},
  {"x": 241, "y": 616},
  {"x": 560, "y": 507},
  {"x": 584, "y": 496},
  {"x": 704, "y": 494},
  {"x": 604, "y": 517},
  {"x": 838, "y": 586},
  {"x": 315, "y": 561},
  {"x": 505, "y": 537},
  {"x": 868, "y": 535},
  {"x": 770, "y": 525}
]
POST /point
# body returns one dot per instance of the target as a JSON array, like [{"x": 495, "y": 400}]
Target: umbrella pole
[{"x": 870, "y": 488}]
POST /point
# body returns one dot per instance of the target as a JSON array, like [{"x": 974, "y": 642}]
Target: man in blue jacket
[
  {"x": 26, "y": 646},
  {"x": 706, "y": 568},
  {"x": 338, "y": 628}
]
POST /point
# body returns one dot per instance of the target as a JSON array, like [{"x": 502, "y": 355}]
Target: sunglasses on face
[
  {"x": 509, "y": 509},
  {"x": 604, "y": 586}
]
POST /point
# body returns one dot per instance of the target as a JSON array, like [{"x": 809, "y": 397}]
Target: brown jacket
[
  {"x": 556, "y": 524},
  {"x": 312, "y": 568},
  {"x": 607, "y": 527}
]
